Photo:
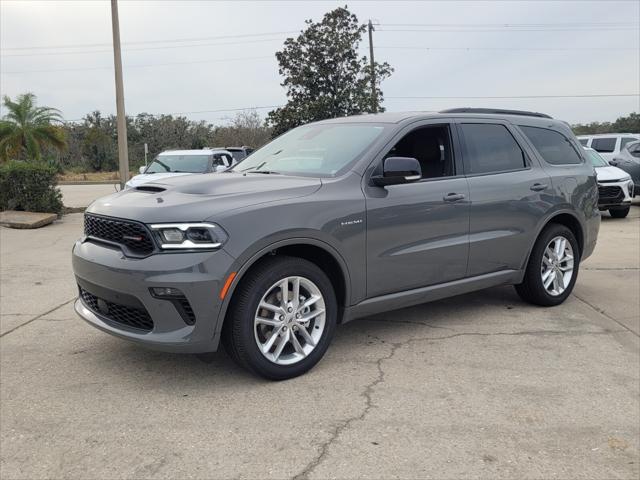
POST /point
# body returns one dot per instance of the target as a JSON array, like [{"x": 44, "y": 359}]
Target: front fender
[{"x": 261, "y": 248}]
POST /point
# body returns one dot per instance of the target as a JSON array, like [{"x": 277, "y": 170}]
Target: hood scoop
[{"x": 150, "y": 189}]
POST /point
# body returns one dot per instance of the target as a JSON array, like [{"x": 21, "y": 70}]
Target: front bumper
[
  {"x": 199, "y": 275},
  {"x": 615, "y": 194}
]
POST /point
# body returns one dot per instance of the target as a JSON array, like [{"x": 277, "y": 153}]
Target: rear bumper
[{"x": 111, "y": 276}]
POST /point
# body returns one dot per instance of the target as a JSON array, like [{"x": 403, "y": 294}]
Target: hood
[
  {"x": 152, "y": 177},
  {"x": 608, "y": 174},
  {"x": 196, "y": 198}
]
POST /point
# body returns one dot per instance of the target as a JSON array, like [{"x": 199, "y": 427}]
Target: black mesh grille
[
  {"x": 610, "y": 193},
  {"x": 186, "y": 306},
  {"x": 134, "y": 236},
  {"x": 129, "y": 316}
]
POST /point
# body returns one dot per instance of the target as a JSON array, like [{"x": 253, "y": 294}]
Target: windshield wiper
[{"x": 268, "y": 172}]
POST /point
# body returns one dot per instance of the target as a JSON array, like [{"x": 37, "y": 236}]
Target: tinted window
[
  {"x": 179, "y": 163},
  {"x": 607, "y": 144},
  {"x": 584, "y": 141},
  {"x": 626, "y": 140},
  {"x": 552, "y": 146},
  {"x": 491, "y": 148},
  {"x": 431, "y": 146}
]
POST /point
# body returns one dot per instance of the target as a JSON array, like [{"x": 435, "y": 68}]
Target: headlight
[{"x": 189, "y": 236}]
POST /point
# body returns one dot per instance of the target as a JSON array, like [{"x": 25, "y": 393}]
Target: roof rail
[{"x": 496, "y": 110}]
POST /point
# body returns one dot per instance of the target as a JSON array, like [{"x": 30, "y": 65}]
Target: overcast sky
[{"x": 61, "y": 52}]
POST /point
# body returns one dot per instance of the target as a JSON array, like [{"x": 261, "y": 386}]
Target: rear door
[{"x": 507, "y": 190}]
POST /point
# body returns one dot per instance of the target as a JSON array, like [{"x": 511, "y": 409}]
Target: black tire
[
  {"x": 238, "y": 331},
  {"x": 619, "y": 212},
  {"x": 532, "y": 289}
]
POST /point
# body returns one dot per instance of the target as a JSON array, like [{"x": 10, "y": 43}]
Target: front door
[{"x": 417, "y": 233}]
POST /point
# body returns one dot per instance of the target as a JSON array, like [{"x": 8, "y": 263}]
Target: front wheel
[
  {"x": 552, "y": 269},
  {"x": 281, "y": 319},
  {"x": 619, "y": 212}
]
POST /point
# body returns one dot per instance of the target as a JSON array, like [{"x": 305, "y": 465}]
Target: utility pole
[
  {"x": 123, "y": 152},
  {"x": 374, "y": 96}
]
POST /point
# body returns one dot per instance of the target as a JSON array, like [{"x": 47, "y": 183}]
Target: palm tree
[{"x": 26, "y": 129}]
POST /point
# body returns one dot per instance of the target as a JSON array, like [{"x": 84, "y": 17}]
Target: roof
[
  {"x": 202, "y": 151},
  {"x": 514, "y": 116}
]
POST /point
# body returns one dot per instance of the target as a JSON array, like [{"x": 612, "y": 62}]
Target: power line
[
  {"x": 464, "y": 30},
  {"x": 213, "y": 60},
  {"x": 591, "y": 95},
  {"x": 394, "y": 47},
  {"x": 516, "y": 25},
  {"x": 240, "y": 109},
  {"x": 224, "y": 110},
  {"x": 400, "y": 47},
  {"x": 46, "y": 54},
  {"x": 172, "y": 40}
]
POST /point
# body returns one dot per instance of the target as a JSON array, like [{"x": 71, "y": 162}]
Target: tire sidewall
[{"x": 286, "y": 267}]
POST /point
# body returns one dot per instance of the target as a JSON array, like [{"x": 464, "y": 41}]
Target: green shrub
[{"x": 30, "y": 187}]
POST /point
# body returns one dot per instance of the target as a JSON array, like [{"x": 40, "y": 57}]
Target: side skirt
[{"x": 417, "y": 296}]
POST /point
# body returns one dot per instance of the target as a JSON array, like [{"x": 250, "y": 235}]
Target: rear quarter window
[
  {"x": 626, "y": 140},
  {"x": 553, "y": 147},
  {"x": 604, "y": 145}
]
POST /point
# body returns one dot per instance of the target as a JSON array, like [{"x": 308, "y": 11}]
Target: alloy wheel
[
  {"x": 289, "y": 320},
  {"x": 556, "y": 270}
]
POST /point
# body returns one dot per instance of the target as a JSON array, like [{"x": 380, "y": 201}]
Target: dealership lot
[{"x": 480, "y": 385}]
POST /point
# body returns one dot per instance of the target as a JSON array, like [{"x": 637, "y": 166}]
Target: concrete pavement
[
  {"x": 480, "y": 385},
  {"x": 80, "y": 196}
]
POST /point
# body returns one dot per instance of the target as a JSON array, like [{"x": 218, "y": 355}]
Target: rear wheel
[
  {"x": 281, "y": 319},
  {"x": 553, "y": 267},
  {"x": 619, "y": 212}
]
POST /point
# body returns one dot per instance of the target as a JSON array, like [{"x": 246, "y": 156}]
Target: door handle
[
  {"x": 453, "y": 197},
  {"x": 538, "y": 187}
]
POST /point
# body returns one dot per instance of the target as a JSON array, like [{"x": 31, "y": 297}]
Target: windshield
[
  {"x": 596, "y": 159},
  {"x": 179, "y": 163},
  {"x": 238, "y": 155},
  {"x": 314, "y": 150}
]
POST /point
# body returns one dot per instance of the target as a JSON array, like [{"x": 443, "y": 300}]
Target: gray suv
[{"x": 337, "y": 220}]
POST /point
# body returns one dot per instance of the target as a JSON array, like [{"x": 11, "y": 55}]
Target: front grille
[
  {"x": 610, "y": 193},
  {"x": 131, "y": 317},
  {"x": 134, "y": 236}
]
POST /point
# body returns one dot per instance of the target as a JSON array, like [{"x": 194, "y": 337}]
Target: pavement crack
[
  {"x": 37, "y": 317},
  {"x": 367, "y": 394},
  {"x": 368, "y": 405},
  {"x": 604, "y": 314}
]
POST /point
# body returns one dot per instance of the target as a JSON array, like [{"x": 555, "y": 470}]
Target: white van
[{"x": 608, "y": 145}]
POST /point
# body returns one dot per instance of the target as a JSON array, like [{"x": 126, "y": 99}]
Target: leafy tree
[
  {"x": 323, "y": 74},
  {"x": 28, "y": 129},
  {"x": 247, "y": 128},
  {"x": 628, "y": 124}
]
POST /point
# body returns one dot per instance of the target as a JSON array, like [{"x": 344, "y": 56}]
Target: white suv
[
  {"x": 174, "y": 163},
  {"x": 608, "y": 144}
]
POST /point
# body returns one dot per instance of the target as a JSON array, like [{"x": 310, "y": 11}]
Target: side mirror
[
  {"x": 613, "y": 163},
  {"x": 398, "y": 170},
  {"x": 142, "y": 169}
]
